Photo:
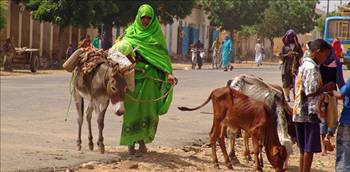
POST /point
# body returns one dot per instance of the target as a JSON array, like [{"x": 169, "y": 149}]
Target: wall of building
[
  {"x": 245, "y": 48},
  {"x": 52, "y": 40},
  {"x": 184, "y": 32}
]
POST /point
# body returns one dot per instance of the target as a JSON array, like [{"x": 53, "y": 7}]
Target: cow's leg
[
  {"x": 100, "y": 122},
  {"x": 256, "y": 153},
  {"x": 246, "y": 153},
  {"x": 88, "y": 120},
  {"x": 286, "y": 93},
  {"x": 261, "y": 161},
  {"x": 286, "y": 163},
  {"x": 79, "y": 103},
  {"x": 231, "y": 137},
  {"x": 254, "y": 132},
  {"x": 223, "y": 148},
  {"x": 214, "y": 134}
]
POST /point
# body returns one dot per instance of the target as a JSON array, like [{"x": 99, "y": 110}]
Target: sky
[{"x": 332, "y": 4}]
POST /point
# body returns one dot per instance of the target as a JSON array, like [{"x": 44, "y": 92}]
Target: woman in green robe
[{"x": 153, "y": 81}]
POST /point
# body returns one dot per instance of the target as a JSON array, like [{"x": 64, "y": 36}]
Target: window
[{"x": 339, "y": 29}]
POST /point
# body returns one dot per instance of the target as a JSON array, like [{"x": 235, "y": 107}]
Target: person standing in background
[
  {"x": 215, "y": 48},
  {"x": 291, "y": 54},
  {"x": 70, "y": 51},
  {"x": 96, "y": 42},
  {"x": 331, "y": 71},
  {"x": 258, "y": 53},
  {"x": 226, "y": 53}
]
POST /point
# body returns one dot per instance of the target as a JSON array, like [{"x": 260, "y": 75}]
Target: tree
[
  {"x": 3, "y": 7},
  {"x": 232, "y": 15},
  {"x": 247, "y": 31},
  {"x": 106, "y": 12},
  {"x": 287, "y": 14}
]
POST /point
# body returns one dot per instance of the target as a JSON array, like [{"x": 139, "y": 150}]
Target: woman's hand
[
  {"x": 336, "y": 94},
  {"x": 171, "y": 79},
  {"x": 329, "y": 87}
]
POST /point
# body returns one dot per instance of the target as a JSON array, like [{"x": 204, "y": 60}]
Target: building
[
  {"x": 53, "y": 40},
  {"x": 182, "y": 33},
  {"x": 49, "y": 38}
]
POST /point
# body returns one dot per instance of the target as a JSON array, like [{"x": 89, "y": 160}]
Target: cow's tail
[{"x": 183, "y": 108}]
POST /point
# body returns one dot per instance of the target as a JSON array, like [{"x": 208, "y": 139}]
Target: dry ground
[{"x": 196, "y": 157}]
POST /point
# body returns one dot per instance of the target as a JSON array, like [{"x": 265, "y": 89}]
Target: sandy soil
[{"x": 196, "y": 157}]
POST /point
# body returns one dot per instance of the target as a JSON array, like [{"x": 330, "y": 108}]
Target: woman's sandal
[{"x": 142, "y": 148}]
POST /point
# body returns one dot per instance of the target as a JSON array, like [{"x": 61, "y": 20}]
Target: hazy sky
[{"x": 333, "y": 4}]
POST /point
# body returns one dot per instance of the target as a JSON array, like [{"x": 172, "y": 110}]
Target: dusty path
[{"x": 190, "y": 158}]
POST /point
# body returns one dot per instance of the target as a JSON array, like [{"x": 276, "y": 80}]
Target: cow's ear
[
  {"x": 282, "y": 151},
  {"x": 275, "y": 150}
]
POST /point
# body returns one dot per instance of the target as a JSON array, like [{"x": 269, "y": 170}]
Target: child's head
[{"x": 320, "y": 50}]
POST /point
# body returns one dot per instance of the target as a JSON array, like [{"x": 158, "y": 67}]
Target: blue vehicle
[{"x": 339, "y": 27}]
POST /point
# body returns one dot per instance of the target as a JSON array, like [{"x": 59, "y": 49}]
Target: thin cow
[
  {"x": 273, "y": 96},
  {"x": 236, "y": 110}
]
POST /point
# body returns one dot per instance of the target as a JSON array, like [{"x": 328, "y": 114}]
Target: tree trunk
[
  {"x": 272, "y": 45},
  {"x": 271, "y": 48},
  {"x": 58, "y": 56},
  {"x": 107, "y": 37}
]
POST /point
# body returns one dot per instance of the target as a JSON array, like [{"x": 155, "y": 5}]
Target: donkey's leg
[
  {"x": 88, "y": 119},
  {"x": 100, "y": 122},
  {"x": 79, "y": 103}
]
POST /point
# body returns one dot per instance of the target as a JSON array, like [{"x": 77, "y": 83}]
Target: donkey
[{"x": 106, "y": 82}]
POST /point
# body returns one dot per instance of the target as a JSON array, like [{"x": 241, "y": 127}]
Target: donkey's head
[{"x": 120, "y": 80}]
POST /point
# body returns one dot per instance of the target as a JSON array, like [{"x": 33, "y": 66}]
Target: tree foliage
[
  {"x": 247, "y": 31},
  {"x": 283, "y": 15},
  {"x": 3, "y": 7},
  {"x": 165, "y": 9},
  {"x": 231, "y": 15},
  {"x": 109, "y": 12}
]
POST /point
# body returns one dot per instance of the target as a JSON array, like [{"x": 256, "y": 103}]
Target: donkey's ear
[
  {"x": 115, "y": 69},
  {"x": 127, "y": 69}
]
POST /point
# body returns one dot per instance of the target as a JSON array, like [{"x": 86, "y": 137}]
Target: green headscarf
[{"x": 149, "y": 40}]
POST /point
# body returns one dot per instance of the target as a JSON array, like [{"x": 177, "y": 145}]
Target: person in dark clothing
[
  {"x": 70, "y": 51},
  {"x": 199, "y": 47},
  {"x": 291, "y": 54}
]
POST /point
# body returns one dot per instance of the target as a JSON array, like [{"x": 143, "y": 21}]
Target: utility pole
[{"x": 327, "y": 7}]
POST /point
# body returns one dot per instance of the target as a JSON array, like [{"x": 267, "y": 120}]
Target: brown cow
[{"x": 234, "y": 109}]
